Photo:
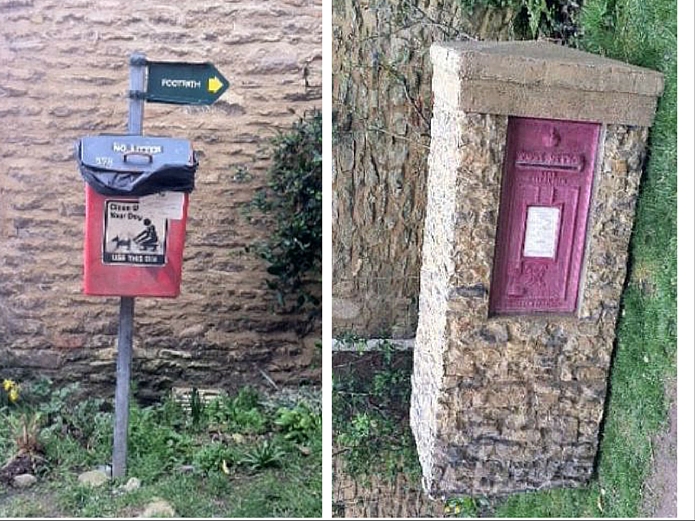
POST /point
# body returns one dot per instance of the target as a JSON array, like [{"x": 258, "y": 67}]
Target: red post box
[
  {"x": 544, "y": 205},
  {"x": 136, "y": 208}
]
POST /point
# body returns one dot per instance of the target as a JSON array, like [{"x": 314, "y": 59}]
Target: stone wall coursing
[
  {"x": 511, "y": 403},
  {"x": 64, "y": 74},
  {"x": 382, "y": 104}
]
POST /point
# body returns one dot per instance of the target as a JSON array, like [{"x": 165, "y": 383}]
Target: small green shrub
[
  {"x": 242, "y": 414},
  {"x": 293, "y": 201},
  {"x": 55, "y": 404},
  {"x": 26, "y": 430},
  {"x": 247, "y": 398},
  {"x": 87, "y": 420},
  {"x": 155, "y": 448},
  {"x": 298, "y": 424},
  {"x": 251, "y": 421},
  {"x": 172, "y": 413},
  {"x": 212, "y": 457},
  {"x": 371, "y": 399}
]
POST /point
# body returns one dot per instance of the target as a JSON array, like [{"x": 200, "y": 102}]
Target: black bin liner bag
[{"x": 137, "y": 165}]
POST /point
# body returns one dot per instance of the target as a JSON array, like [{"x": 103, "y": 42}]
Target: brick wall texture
[{"x": 63, "y": 75}]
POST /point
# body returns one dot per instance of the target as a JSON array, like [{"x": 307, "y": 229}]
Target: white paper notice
[
  {"x": 164, "y": 204},
  {"x": 541, "y": 231}
]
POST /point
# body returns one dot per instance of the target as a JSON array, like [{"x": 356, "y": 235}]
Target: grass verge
[{"x": 237, "y": 456}]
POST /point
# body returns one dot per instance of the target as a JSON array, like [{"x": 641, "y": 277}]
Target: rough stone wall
[
  {"x": 382, "y": 103},
  {"x": 64, "y": 74},
  {"x": 512, "y": 403},
  {"x": 380, "y": 497}
]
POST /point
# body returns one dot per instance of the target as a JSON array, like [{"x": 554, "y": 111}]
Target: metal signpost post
[
  {"x": 179, "y": 83},
  {"x": 138, "y": 64}
]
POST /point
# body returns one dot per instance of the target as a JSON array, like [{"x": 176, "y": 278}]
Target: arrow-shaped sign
[{"x": 184, "y": 83}]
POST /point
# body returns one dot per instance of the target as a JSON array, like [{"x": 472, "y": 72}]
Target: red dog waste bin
[{"x": 136, "y": 207}]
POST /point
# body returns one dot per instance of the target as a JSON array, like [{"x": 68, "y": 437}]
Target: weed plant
[{"x": 371, "y": 398}]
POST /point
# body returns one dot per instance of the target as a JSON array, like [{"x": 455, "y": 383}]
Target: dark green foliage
[
  {"x": 371, "y": 398},
  {"x": 549, "y": 19},
  {"x": 293, "y": 200}
]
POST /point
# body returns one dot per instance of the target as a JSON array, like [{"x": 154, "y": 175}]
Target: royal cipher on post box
[{"x": 136, "y": 207}]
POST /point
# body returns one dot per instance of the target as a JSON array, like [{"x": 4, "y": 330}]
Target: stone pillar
[{"x": 507, "y": 402}]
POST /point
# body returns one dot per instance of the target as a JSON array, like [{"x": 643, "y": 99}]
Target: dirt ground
[{"x": 659, "y": 498}]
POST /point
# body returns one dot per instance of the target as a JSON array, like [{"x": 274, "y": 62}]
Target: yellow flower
[
  {"x": 14, "y": 394},
  {"x": 8, "y": 384}
]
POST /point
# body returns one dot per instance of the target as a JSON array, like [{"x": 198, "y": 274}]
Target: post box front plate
[{"x": 544, "y": 206}]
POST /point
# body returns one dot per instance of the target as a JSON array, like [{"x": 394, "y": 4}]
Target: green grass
[{"x": 252, "y": 456}]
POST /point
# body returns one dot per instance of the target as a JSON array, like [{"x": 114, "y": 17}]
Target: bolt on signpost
[{"x": 137, "y": 220}]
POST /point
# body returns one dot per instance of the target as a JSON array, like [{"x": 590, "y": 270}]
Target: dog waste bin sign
[{"x": 132, "y": 236}]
